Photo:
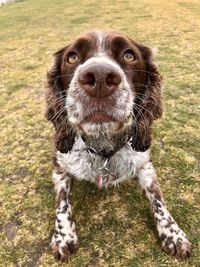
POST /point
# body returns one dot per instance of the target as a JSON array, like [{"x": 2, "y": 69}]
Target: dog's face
[{"x": 104, "y": 81}]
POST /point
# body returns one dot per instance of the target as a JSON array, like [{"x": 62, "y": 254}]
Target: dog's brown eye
[
  {"x": 72, "y": 58},
  {"x": 128, "y": 56}
]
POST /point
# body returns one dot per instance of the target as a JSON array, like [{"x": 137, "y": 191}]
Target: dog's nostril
[
  {"x": 88, "y": 79},
  {"x": 113, "y": 79},
  {"x": 99, "y": 80}
]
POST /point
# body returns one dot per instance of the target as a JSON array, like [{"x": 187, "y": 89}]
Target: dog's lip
[{"x": 99, "y": 117}]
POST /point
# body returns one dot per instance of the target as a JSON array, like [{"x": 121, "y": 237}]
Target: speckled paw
[
  {"x": 176, "y": 245},
  {"x": 64, "y": 252}
]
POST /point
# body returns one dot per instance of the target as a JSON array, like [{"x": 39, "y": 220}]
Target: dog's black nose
[{"x": 99, "y": 80}]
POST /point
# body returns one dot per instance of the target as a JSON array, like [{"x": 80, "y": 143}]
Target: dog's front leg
[
  {"x": 173, "y": 239},
  {"x": 64, "y": 241}
]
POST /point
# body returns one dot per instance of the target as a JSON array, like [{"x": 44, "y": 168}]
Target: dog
[{"x": 103, "y": 94}]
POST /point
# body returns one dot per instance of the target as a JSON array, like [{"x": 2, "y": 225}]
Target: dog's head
[{"x": 103, "y": 82}]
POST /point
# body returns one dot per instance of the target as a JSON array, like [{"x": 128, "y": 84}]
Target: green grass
[{"x": 115, "y": 227}]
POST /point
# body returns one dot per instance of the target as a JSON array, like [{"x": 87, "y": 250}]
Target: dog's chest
[{"x": 85, "y": 165}]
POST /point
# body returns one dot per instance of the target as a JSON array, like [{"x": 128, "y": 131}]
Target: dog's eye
[
  {"x": 128, "y": 56},
  {"x": 72, "y": 58}
]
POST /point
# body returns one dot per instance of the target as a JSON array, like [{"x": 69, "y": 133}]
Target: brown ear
[
  {"x": 56, "y": 111},
  {"x": 147, "y": 105}
]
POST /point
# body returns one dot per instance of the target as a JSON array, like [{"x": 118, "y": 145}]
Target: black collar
[{"x": 104, "y": 154}]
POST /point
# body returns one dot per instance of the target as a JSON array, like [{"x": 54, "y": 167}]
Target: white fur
[
  {"x": 146, "y": 175},
  {"x": 101, "y": 46},
  {"x": 124, "y": 165}
]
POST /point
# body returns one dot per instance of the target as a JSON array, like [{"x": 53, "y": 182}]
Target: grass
[{"x": 115, "y": 227}]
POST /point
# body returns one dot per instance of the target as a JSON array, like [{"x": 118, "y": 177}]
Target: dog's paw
[
  {"x": 63, "y": 248},
  {"x": 175, "y": 243}
]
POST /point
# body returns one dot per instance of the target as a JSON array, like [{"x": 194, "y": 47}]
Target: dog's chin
[{"x": 103, "y": 126}]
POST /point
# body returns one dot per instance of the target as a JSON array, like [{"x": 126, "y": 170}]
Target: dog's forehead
[{"x": 103, "y": 40}]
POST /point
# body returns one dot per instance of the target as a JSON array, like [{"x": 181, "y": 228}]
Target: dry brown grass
[{"x": 115, "y": 227}]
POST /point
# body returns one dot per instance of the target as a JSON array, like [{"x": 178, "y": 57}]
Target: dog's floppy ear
[
  {"x": 147, "y": 104},
  {"x": 55, "y": 110}
]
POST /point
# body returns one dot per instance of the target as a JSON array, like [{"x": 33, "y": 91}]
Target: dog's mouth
[
  {"x": 99, "y": 117},
  {"x": 101, "y": 122}
]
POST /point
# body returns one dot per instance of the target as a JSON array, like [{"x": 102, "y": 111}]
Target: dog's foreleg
[
  {"x": 64, "y": 241},
  {"x": 173, "y": 239}
]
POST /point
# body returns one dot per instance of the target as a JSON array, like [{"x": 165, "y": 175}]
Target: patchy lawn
[{"x": 115, "y": 227}]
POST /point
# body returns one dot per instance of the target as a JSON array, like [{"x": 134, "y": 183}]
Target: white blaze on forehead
[{"x": 100, "y": 42}]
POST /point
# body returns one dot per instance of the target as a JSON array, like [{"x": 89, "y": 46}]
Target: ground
[{"x": 115, "y": 227}]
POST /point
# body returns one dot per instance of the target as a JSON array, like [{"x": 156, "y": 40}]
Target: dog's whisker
[
  {"x": 144, "y": 71},
  {"x": 144, "y": 119},
  {"x": 140, "y": 108},
  {"x": 60, "y": 76},
  {"x": 58, "y": 113},
  {"x": 56, "y": 102}
]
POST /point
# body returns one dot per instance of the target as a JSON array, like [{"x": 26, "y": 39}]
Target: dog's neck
[{"x": 105, "y": 145}]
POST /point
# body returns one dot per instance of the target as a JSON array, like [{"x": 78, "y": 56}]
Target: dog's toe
[
  {"x": 183, "y": 249},
  {"x": 177, "y": 246},
  {"x": 63, "y": 252}
]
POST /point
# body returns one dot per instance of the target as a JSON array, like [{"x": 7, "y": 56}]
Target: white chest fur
[{"x": 91, "y": 167}]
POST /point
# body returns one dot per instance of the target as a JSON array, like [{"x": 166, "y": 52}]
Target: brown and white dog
[{"x": 104, "y": 91}]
